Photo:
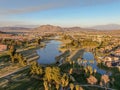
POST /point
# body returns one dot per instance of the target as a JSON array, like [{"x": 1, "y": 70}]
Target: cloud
[
  {"x": 39, "y": 7},
  {"x": 28, "y": 9},
  {"x": 48, "y": 5}
]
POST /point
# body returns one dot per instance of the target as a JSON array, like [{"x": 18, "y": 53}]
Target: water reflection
[
  {"x": 88, "y": 56},
  {"x": 47, "y": 54}
]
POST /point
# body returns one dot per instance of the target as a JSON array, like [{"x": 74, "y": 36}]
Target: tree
[
  {"x": 20, "y": 59},
  {"x": 71, "y": 86},
  {"x": 104, "y": 80},
  {"x": 56, "y": 75},
  {"x": 80, "y": 88},
  {"x": 92, "y": 80},
  {"x": 12, "y": 59},
  {"x": 95, "y": 71},
  {"x": 36, "y": 69},
  {"x": 64, "y": 80},
  {"x": 77, "y": 87},
  {"x": 45, "y": 85},
  {"x": 90, "y": 69},
  {"x": 71, "y": 71},
  {"x": 57, "y": 86},
  {"x": 73, "y": 62},
  {"x": 48, "y": 72},
  {"x": 52, "y": 75},
  {"x": 12, "y": 51},
  {"x": 86, "y": 70},
  {"x": 39, "y": 41}
]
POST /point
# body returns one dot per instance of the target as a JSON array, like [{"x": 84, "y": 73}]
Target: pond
[
  {"x": 48, "y": 54},
  {"x": 89, "y": 56}
]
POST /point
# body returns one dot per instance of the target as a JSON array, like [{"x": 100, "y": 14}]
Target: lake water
[
  {"x": 89, "y": 56},
  {"x": 48, "y": 54}
]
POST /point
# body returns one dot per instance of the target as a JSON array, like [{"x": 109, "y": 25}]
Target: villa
[
  {"x": 117, "y": 52},
  {"x": 111, "y": 61}
]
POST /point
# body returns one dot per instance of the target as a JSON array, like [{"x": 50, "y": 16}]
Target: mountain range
[
  {"x": 106, "y": 27},
  {"x": 51, "y": 28}
]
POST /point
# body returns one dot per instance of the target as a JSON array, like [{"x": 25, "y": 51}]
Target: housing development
[{"x": 59, "y": 44}]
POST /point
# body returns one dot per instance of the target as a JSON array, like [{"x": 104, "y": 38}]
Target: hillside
[
  {"x": 48, "y": 28},
  {"x": 13, "y": 28},
  {"x": 107, "y": 27},
  {"x": 51, "y": 28}
]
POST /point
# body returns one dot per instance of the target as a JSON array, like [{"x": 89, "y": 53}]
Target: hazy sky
[{"x": 83, "y": 13}]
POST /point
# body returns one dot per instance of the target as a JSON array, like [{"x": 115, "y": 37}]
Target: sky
[{"x": 66, "y": 13}]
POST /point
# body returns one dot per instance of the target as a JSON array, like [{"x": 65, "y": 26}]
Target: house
[
  {"x": 115, "y": 58},
  {"x": 117, "y": 52},
  {"x": 108, "y": 64},
  {"x": 3, "y": 47},
  {"x": 107, "y": 59}
]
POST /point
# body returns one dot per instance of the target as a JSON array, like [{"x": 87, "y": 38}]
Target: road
[{"x": 87, "y": 85}]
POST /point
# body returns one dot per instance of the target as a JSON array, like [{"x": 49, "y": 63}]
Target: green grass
[
  {"x": 80, "y": 78},
  {"x": 25, "y": 83},
  {"x": 92, "y": 88},
  {"x": 4, "y": 58}
]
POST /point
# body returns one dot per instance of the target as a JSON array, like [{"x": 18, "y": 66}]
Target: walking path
[{"x": 87, "y": 85}]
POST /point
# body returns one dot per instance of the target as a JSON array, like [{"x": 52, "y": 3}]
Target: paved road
[{"x": 87, "y": 85}]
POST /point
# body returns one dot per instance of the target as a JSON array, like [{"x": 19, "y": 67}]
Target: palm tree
[
  {"x": 70, "y": 71},
  {"x": 77, "y": 87},
  {"x": 64, "y": 80},
  {"x": 20, "y": 59},
  {"x": 71, "y": 86},
  {"x": 45, "y": 85},
  {"x": 36, "y": 69},
  {"x": 80, "y": 88},
  {"x": 95, "y": 71},
  {"x": 90, "y": 69},
  {"x": 57, "y": 86},
  {"x": 73, "y": 62},
  {"x": 52, "y": 75},
  {"x": 104, "y": 80},
  {"x": 12, "y": 59},
  {"x": 70, "y": 62},
  {"x": 86, "y": 71},
  {"x": 56, "y": 76}
]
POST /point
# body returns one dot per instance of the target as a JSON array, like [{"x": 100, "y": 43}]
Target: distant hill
[
  {"x": 73, "y": 29},
  {"x": 42, "y": 28},
  {"x": 51, "y": 28},
  {"x": 48, "y": 28},
  {"x": 13, "y": 28},
  {"x": 106, "y": 27}
]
